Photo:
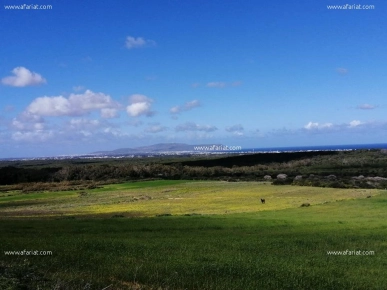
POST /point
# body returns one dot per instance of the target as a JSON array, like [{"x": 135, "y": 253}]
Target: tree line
[{"x": 328, "y": 169}]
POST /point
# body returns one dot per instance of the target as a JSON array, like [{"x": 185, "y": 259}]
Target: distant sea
[
  {"x": 244, "y": 150},
  {"x": 318, "y": 148}
]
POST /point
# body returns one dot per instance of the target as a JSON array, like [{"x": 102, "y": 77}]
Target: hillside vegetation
[{"x": 345, "y": 169}]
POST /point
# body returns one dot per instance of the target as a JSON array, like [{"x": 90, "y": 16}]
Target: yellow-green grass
[
  {"x": 277, "y": 245},
  {"x": 270, "y": 249},
  {"x": 171, "y": 197}
]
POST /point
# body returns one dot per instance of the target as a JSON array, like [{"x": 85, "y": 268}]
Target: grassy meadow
[
  {"x": 175, "y": 197},
  {"x": 194, "y": 235}
]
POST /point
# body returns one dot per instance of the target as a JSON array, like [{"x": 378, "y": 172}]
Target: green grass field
[
  {"x": 219, "y": 237},
  {"x": 170, "y": 197}
]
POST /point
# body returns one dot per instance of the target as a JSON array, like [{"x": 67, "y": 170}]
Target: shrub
[{"x": 282, "y": 176}]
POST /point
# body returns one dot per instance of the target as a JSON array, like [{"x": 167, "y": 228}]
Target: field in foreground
[{"x": 283, "y": 246}]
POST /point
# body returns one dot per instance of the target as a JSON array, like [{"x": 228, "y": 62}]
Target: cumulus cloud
[
  {"x": 355, "y": 123},
  {"x": 190, "y": 126},
  {"x": 23, "y": 77},
  {"x": 50, "y": 106},
  {"x": 366, "y": 107},
  {"x": 175, "y": 110},
  {"x": 74, "y": 105},
  {"x": 108, "y": 113},
  {"x": 137, "y": 42},
  {"x": 140, "y": 105},
  {"x": 26, "y": 121},
  {"x": 137, "y": 109},
  {"x": 311, "y": 125},
  {"x": 314, "y": 126},
  {"x": 20, "y": 125},
  {"x": 186, "y": 107}
]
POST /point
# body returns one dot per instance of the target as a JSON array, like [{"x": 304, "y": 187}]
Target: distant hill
[{"x": 156, "y": 148}]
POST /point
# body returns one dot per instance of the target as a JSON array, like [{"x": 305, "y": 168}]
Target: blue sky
[{"x": 93, "y": 75}]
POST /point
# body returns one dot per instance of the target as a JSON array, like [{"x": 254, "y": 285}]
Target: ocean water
[
  {"x": 243, "y": 150},
  {"x": 318, "y": 148}
]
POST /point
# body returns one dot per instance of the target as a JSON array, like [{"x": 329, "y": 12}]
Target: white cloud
[
  {"x": 352, "y": 126},
  {"x": 26, "y": 121},
  {"x": 314, "y": 126},
  {"x": 133, "y": 42},
  {"x": 138, "y": 98},
  {"x": 192, "y": 104},
  {"x": 83, "y": 123},
  {"x": 50, "y": 106},
  {"x": 108, "y": 113},
  {"x": 74, "y": 105},
  {"x": 216, "y": 84},
  {"x": 190, "y": 126},
  {"x": 114, "y": 132},
  {"x": 366, "y": 107},
  {"x": 140, "y": 105},
  {"x": 23, "y": 77},
  {"x": 138, "y": 109},
  {"x": 33, "y": 136},
  {"x": 186, "y": 107},
  {"x": 175, "y": 110},
  {"x": 355, "y": 123},
  {"x": 20, "y": 125},
  {"x": 311, "y": 125}
]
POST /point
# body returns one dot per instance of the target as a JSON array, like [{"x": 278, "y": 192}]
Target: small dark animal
[{"x": 262, "y": 200}]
